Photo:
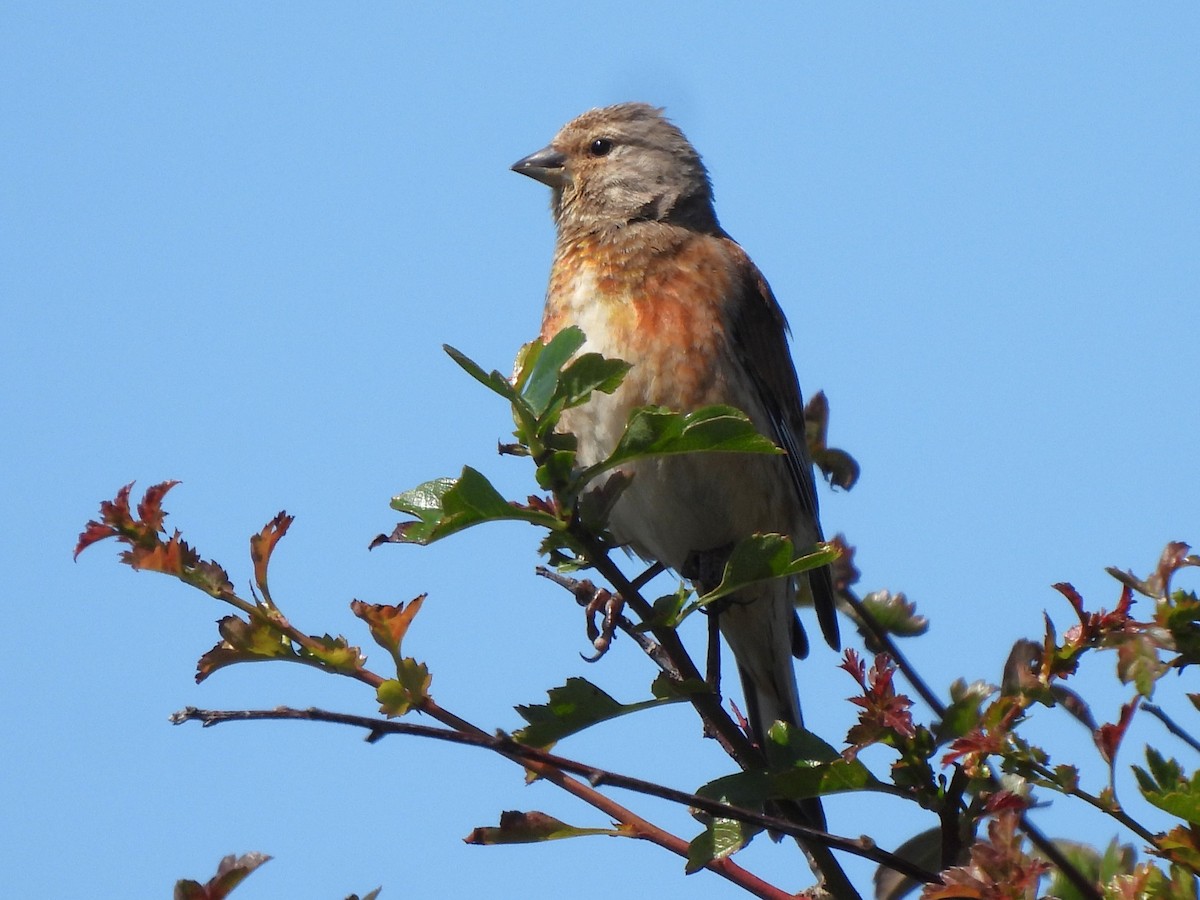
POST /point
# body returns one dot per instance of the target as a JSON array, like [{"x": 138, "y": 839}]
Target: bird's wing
[{"x": 759, "y": 331}]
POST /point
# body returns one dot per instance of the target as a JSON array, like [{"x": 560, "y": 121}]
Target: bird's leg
[{"x": 705, "y": 570}]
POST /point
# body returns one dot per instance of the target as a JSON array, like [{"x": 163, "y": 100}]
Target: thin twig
[
  {"x": 1171, "y": 725},
  {"x": 595, "y": 776}
]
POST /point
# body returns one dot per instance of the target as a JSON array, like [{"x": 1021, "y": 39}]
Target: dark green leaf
[
  {"x": 448, "y": 505},
  {"x": 576, "y": 705},
  {"x": 590, "y": 372},
  {"x": 655, "y": 431},
  {"x": 762, "y": 557},
  {"x": 492, "y": 380},
  {"x": 539, "y": 388},
  {"x": 720, "y": 838}
]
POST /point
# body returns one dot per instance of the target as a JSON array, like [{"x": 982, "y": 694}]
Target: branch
[
  {"x": 1171, "y": 725},
  {"x": 596, "y": 777}
]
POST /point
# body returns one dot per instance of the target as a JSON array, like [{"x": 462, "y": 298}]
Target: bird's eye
[{"x": 600, "y": 147}]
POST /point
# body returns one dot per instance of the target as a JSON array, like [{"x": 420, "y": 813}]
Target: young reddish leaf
[
  {"x": 531, "y": 828},
  {"x": 261, "y": 547},
  {"x": 231, "y": 872},
  {"x": 885, "y": 714},
  {"x": 244, "y": 642},
  {"x": 117, "y": 521},
  {"x": 1073, "y": 597},
  {"x": 334, "y": 653},
  {"x": 998, "y": 868},
  {"x": 1108, "y": 737},
  {"x": 408, "y": 690},
  {"x": 150, "y": 509},
  {"x": 388, "y": 624}
]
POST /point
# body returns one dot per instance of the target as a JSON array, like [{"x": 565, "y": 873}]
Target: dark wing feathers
[{"x": 759, "y": 337}]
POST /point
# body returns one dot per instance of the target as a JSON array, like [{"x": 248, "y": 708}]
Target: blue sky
[{"x": 233, "y": 239}]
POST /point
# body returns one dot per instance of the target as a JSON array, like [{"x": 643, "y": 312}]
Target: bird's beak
[{"x": 545, "y": 166}]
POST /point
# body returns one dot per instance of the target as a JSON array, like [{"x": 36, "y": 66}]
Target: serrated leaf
[
  {"x": 721, "y": 838},
  {"x": 590, "y": 372},
  {"x": 408, "y": 690},
  {"x": 244, "y": 641},
  {"x": 445, "y": 506},
  {"x": 576, "y": 705},
  {"x": 762, "y": 557},
  {"x": 539, "y": 387},
  {"x": 493, "y": 381},
  {"x": 334, "y": 653},
  {"x": 388, "y": 624},
  {"x": 531, "y": 828},
  {"x": 965, "y": 709},
  {"x": 1166, "y": 787},
  {"x": 801, "y": 782},
  {"x": 656, "y": 431},
  {"x": 262, "y": 545},
  {"x": 895, "y": 613}
]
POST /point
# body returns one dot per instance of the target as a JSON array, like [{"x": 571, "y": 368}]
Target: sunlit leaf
[
  {"x": 262, "y": 545},
  {"x": 762, "y": 557},
  {"x": 1166, "y": 787},
  {"x": 655, "y": 431},
  {"x": 576, "y": 705},
  {"x": 448, "y": 505},
  {"x": 408, "y": 690},
  {"x": 532, "y": 828},
  {"x": 539, "y": 388},
  {"x": 243, "y": 641},
  {"x": 388, "y": 624},
  {"x": 720, "y": 838}
]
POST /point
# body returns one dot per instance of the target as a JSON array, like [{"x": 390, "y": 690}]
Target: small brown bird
[{"x": 644, "y": 269}]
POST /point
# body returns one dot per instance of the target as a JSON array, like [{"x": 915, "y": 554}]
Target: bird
[{"x": 643, "y": 268}]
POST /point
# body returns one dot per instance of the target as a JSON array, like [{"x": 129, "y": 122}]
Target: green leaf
[
  {"x": 243, "y": 641},
  {"x": 445, "y": 506},
  {"x": 576, "y": 705},
  {"x": 590, "y": 372},
  {"x": 965, "y": 709},
  {"x": 895, "y": 613},
  {"x": 493, "y": 380},
  {"x": 1165, "y": 786},
  {"x": 542, "y": 383},
  {"x": 409, "y": 689},
  {"x": 532, "y": 828},
  {"x": 762, "y": 557},
  {"x": 655, "y": 431},
  {"x": 720, "y": 838},
  {"x": 334, "y": 653}
]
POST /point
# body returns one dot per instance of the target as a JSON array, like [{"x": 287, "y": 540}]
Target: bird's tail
[{"x": 759, "y": 624}]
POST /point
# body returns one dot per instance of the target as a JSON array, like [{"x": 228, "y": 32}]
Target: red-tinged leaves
[
  {"x": 1181, "y": 845},
  {"x": 231, "y": 872},
  {"x": 149, "y": 548},
  {"x": 998, "y": 868},
  {"x": 117, "y": 521},
  {"x": 244, "y": 641},
  {"x": 1073, "y": 597},
  {"x": 531, "y": 828},
  {"x": 261, "y": 547},
  {"x": 408, "y": 690},
  {"x": 885, "y": 714},
  {"x": 388, "y": 624},
  {"x": 1108, "y": 737}
]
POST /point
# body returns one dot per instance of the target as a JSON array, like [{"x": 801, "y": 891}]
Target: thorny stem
[
  {"x": 596, "y": 777},
  {"x": 1111, "y": 809}
]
